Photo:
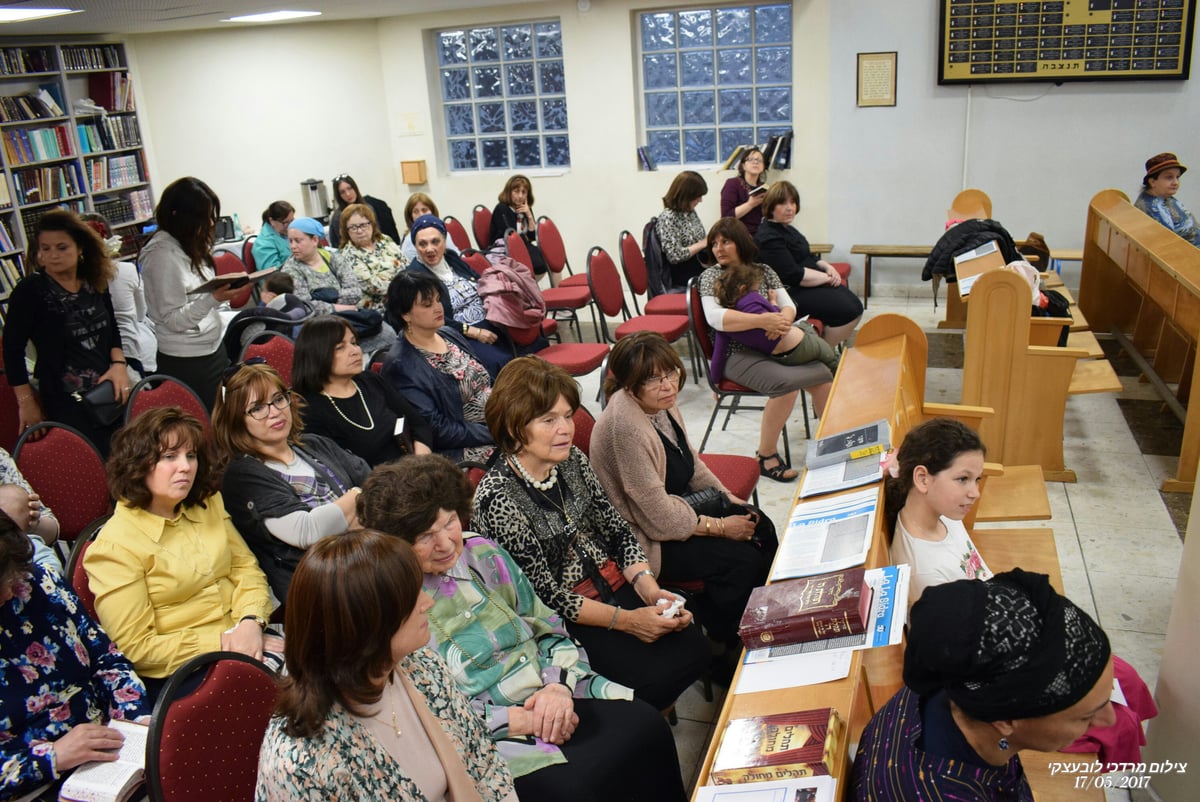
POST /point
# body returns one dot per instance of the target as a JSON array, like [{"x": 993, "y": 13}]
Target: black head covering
[{"x": 1008, "y": 648}]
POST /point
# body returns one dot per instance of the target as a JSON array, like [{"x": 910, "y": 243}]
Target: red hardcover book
[
  {"x": 101, "y": 91},
  {"x": 779, "y": 746},
  {"x": 806, "y": 609}
]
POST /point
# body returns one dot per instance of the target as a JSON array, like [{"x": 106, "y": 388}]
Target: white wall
[
  {"x": 1040, "y": 151},
  {"x": 324, "y": 98}
]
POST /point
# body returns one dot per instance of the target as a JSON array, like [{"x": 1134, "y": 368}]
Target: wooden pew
[
  {"x": 1141, "y": 282},
  {"x": 868, "y": 252},
  {"x": 1027, "y": 385}
]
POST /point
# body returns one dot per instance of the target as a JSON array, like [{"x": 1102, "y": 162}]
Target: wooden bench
[
  {"x": 1141, "y": 282},
  {"x": 868, "y": 252},
  {"x": 1027, "y": 384},
  {"x": 882, "y": 376}
]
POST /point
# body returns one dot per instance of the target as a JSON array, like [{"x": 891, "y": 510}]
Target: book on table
[
  {"x": 810, "y": 608},
  {"x": 846, "y": 459},
  {"x": 111, "y": 782},
  {"x": 232, "y": 280},
  {"x": 778, "y": 746}
]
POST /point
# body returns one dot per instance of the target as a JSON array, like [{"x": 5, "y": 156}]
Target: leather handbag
[
  {"x": 709, "y": 501},
  {"x": 100, "y": 404}
]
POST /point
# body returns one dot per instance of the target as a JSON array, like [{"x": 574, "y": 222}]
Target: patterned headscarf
[
  {"x": 426, "y": 221},
  {"x": 1008, "y": 648}
]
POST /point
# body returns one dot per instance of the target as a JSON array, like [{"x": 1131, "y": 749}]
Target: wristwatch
[{"x": 258, "y": 619}]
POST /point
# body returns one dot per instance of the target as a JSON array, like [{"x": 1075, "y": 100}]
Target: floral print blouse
[
  {"x": 345, "y": 762},
  {"x": 374, "y": 269},
  {"x": 57, "y": 669},
  {"x": 545, "y": 545},
  {"x": 503, "y": 644},
  {"x": 474, "y": 384}
]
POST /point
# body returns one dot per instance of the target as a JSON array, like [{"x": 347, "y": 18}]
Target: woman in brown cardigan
[{"x": 643, "y": 458}]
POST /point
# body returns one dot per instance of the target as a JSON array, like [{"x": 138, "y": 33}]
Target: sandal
[{"x": 781, "y": 472}]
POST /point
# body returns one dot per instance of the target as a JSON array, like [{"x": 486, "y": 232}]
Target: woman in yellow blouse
[{"x": 172, "y": 577}]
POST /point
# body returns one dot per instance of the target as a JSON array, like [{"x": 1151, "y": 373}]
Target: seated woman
[
  {"x": 36, "y": 520},
  {"x": 1158, "y": 200},
  {"x": 172, "y": 577},
  {"x": 434, "y": 368},
  {"x": 565, "y": 731},
  {"x": 367, "y": 711},
  {"x": 736, "y": 200},
  {"x": 371, "y": 255},
  {"x": 419, "y": 204},
  {"x": 346, "y": 192},
  {"x": 48, "y": 643},
  {"x": 679, "y": 228},
  {"x": 738, "y": 288},
  {"x": 64, "y": 310},
  {"x": 813, "y": 284},
  {"x": 285, "y": 490},
  {"x": 461, "y": 303},
  {"x": 270, "y": 247},
  {"x": 327, "y": 286},
  {"x": 731, "y": 245},
  {"x": 355, "y": 408},
  {"x": 545, "y": 506},
  {"x": 138, "y": 342},
  {"x": 642, "y": 456},
  {"x": 990, "y": 668},
  {"x": 515, "y": 211}
]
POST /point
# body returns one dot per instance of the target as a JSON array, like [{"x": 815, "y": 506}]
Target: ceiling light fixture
[
  {"x": 273, "y": 16},
  {"x": 27, "y": 14}
]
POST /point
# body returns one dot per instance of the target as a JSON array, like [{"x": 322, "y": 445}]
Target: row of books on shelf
[
  {"x": 30, "y": 217},
  {"x": 113, "y": 172},
  {"x": 777, "y": 153},
  {"x": 111, "y": 90},
  {"x": 25, "y": 145},
  {"x": 6, "y": 240},
  {"x": 91, "y": 57},
  {"x": 40, "y": 184},
  {"x": 22, "y": 60},
  {"x": 109, "y": 133},
  {"x": 10, "y": 273},
  {"x": 37, "y": 105},
  {"x": 135, "y": 205}
]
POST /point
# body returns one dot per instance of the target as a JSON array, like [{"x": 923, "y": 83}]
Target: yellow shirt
[{"x": 167, "y": 589}]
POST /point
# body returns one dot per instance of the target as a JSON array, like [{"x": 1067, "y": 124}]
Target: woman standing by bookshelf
[
  {"x": 178, "y": 259},
  {"x": 65, "y": 311}
]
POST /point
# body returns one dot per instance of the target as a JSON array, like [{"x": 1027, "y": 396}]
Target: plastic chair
[
  {"x": 610, "y": 298},
  {"x": 277, "y": 349},
  {"x": 729, "y": 393},
  {"x": 481, "y": 226},
  {"x": 204, "y": 744},
  {"x": 458, "y": 234},
  {"x": 76, "y": 574},
  {"x": 160, "y": 390},
  {"x": 227, "y": 263},
  {"x": 68, "y": 473}
]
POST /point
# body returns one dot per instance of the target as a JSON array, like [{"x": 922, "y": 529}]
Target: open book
[
  {"x": 232, "y": 280},
  {"x": 111, "y": 782},
  {"x": 759, "y": 190}
]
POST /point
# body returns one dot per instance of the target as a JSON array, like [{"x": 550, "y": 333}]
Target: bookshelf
[{"x": 56, "y": 150}]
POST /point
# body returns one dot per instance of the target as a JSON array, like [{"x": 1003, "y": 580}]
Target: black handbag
[
  {"x": 709, "y": 501},
  {"x": 100, "y": 404}
]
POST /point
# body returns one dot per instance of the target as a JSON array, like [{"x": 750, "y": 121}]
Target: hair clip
[{"x": 890, "y": 464}]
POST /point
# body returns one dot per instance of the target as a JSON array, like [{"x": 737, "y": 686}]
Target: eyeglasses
[
  {"x": 754, "y": 160},
  {"x": 359, "y": 227},
  {"x": 658, "y": 381},
  {"x": 262, "y": 411}
]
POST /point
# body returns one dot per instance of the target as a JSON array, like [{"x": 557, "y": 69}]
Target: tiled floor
[{"x": 1113, "y": 532}]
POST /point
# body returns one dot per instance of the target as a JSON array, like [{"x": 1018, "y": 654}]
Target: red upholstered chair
[
  {"x": 278, "y": 349},
  {"x": 163, "y": 391},
  {"x": 475, "y": 260},
  {"x": 10, "y": 415},
  {"x": 226, "y": 263},
  {"x": 555, "y": 253},
  {"x": 481, "y": 226},
  {"x": 584, "y": 423},
  {"x": 633, "y": 263},
  {"x": 561, "y": 299},
  {"x": 606, "y": 290},
  {"x": 578, "y": 359},
  {"x": 67, "y": 472},
  {"x": 75, "y": 573},
  {"x": 203, "y": 745},
  {"x": 729, "y": 393},
  {"x": 458, "y": 234},
  {"x": 739, "y": 474},
  {"x": 248, "y": 254}
]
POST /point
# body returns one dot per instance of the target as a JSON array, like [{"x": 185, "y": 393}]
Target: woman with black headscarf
[{"x": 991, "y": 668}]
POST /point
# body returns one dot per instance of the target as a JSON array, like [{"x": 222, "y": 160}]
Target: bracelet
[
  {"x": 640, "y": 574},
  {"x": 722, "y": 520},
  {"x": 613, "y": 623},
  {"x": 117, "y": 362},
  {"x": 258, "y": 619},
  {"x": 707, "y": 524},
  {"x": 465, "y": 328}
]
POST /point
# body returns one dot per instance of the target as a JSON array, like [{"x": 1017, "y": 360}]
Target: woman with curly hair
[{"x": 172, "y": 577}]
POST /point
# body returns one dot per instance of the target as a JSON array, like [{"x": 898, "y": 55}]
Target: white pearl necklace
[
  {"x": 543, "y": 486},
  {"x": 370, "y": 420}
]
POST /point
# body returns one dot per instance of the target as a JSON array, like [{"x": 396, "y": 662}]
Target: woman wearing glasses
[
  {"x": 284, "y": 490},
  {"x": 346, "y": 192},
  {"x": 736, "y": 200},
  {"x": 371, "y": 255},
  {"x": 271, "y": 245},
  {"x": 642, "y": 456}
]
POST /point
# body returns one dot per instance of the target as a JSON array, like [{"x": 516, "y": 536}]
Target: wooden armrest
[
  {"x": 963, "y": 412},
  {"x": 1094, "y": 376},
  {"x": 993, "y": 469},
  {"x": 1031, "y": 549},
  {"x": 1018, "y": 494}
]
